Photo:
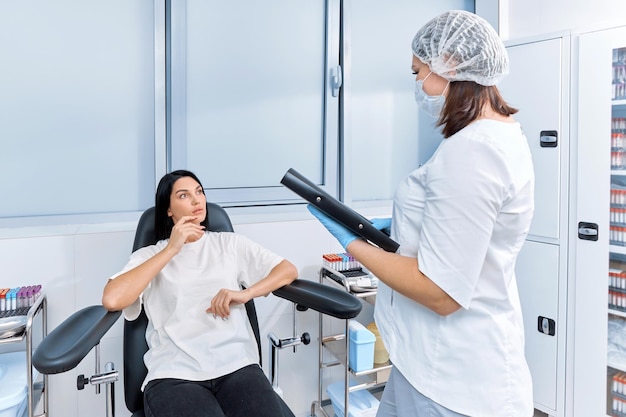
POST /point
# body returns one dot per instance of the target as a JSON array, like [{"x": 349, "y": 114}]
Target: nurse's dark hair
[
  {"x": 464, "y": 104},
  {"x": 162, "y": 222}
]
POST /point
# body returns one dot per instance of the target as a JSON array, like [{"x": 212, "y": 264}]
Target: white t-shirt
[
  {"x": 465, "y": 215},
  {"x": 185, "y": 341}
]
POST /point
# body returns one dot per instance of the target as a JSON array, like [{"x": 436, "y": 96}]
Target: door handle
[{"x": 336, "y": 80}]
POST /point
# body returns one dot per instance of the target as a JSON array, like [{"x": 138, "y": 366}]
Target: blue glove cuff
[{"x": 341, "y": 233}]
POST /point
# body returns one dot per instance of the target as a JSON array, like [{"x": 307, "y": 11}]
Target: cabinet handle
[
  {"x": 588, "y": 231},
  {"x": 546, "y": 326},
  {"x": 548, "y": 138}
]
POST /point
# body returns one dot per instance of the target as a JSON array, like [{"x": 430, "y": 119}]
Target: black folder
[{"x": 335, "y": 209}]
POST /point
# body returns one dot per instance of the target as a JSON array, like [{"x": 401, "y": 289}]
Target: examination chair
[{"x": 66, "y": 346}]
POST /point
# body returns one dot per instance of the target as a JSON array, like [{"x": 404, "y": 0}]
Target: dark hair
[
  {"x": 162, "y": 222},
  {"x": 464, "y": 103}
]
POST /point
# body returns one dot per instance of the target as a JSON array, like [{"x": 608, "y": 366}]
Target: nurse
[{"x": 447, "y": 306}]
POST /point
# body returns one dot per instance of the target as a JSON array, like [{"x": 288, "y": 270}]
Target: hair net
[{"x": 461, "y": 46}]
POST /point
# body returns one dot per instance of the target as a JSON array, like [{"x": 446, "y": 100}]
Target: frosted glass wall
[
  {"x": 248, "y": 94},
  {"x": 249, "y": 97},
  {"x": 388, "y": 137},
  {"x": 76, "y": 106}
]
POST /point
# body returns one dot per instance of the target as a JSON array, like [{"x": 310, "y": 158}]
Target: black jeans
[{"x": 244, "y": 393}]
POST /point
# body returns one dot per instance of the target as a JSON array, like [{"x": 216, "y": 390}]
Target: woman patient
[{"x": 202, "y": 358}]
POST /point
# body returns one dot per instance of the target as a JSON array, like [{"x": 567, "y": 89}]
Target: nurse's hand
[
  {"x": 342, "y": 234},
  {"x": 383, "y": 224}
]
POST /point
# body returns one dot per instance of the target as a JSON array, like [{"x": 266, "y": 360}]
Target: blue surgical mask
[{"x": 431, "y": 105}]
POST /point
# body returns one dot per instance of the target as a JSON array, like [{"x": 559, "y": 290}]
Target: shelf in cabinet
[
  {"x": 617, "y": 249},
  {"x": 616, "y": 366},
  {"x": 618, "y": 172},
  {"x": 618, "y": 103},
  {"x": 618, "y": 313}
]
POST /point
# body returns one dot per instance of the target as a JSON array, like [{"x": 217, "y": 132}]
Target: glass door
[
  {"x": 616, "y": 346},
  {"x": 597, "y": 256}
]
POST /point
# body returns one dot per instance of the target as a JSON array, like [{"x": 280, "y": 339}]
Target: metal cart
[
  {"x": 37, "y": 389},
  {"x": 338, "y": 346}
]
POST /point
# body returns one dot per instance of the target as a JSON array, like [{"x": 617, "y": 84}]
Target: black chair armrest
[
  {"x": 321, "y": 298},
  {"x": 73, "y": 339}
]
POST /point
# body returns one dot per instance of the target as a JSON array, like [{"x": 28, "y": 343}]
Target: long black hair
[{"x": 162, "y": 222}]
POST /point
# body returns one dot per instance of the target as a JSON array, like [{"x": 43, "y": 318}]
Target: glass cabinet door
[
  {"x": 597, "y": 343},
  {"x": 616, "y": 345}
]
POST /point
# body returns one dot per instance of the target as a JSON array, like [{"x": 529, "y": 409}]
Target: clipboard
[{"x": 334, "y": 208}]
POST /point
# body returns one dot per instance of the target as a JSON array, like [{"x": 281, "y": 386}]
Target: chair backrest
[{"x": 135, "y": 345}]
